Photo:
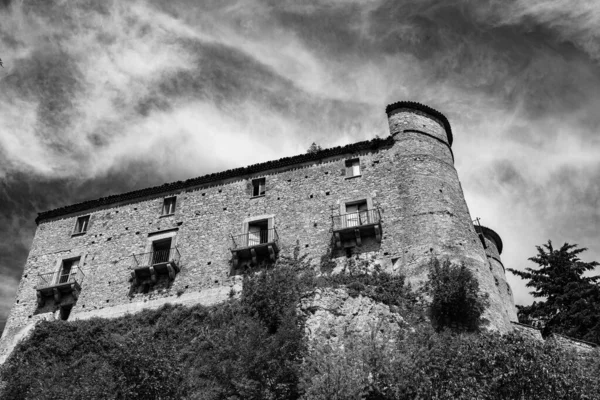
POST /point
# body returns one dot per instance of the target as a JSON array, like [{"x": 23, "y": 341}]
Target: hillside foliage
[
  {"x": 427, "y": 364},
  {"x": 456, "y": 302},
  {"x": 242, "y": 349},
  {"x": 255, "y": 347}
]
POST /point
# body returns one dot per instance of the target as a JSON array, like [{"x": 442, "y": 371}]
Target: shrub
[
  {"x": 430, "y": 365},
  {"x": 455, "y": 299},
  {"x": 241, "y": 349},
  {"x": 254, "y": 348}
]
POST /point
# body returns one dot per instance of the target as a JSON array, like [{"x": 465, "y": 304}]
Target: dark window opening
[
  {"x": 65, "y": 311},
  {"x": 161, "y": 250},
  {"x": 258, "y": 232},
  {"x": 357, "y": 213},
  {"x": 82, "y": 224},
  {"x": 68, "y": 270},
  {"x": 258, "y": 187},
  {"x": 352, "y": 167},
  {"x": 169, "y": 206}
]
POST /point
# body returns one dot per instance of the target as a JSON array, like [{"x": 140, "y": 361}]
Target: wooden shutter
[
  {"x": 253, "y": 235},
  {"x": 355, "y": 168},
  {"x": 79, "y": 271},
  {"x": 271, "y": 228},
  {"x": 262, "y": 187},
  {"x": 352, "y": 215},
  {"x": 363, "y": 213},
  {"x": 57, "y": 269}
]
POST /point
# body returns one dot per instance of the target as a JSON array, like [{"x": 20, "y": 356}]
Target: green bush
[
  {"x": 246, "y": 349},
  {"x": 430, "y": 365},
  {"x": 455, "y": 299},
  {"x": 255, "y": 348}
]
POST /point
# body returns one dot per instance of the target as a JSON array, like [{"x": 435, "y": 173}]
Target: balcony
[
  {"x": 59, "y": 284},
  {"x": 148, "y": 266},
  {"x": 356, "y": 225},
  {"x": 254, "y": 245}
]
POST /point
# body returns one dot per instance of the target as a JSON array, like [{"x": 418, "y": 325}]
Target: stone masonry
[{"x": 397, "y": 199}]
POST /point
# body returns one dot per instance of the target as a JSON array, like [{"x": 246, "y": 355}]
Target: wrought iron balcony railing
[
  {"x": 356, "y": 219},
  {"x": 253, "y": 239},
  {"x": 54, "y": 279},
  {"x": 147, "y": 266},
  {"x": 157, "y": 257},
  {"x": 255, "y": 245}
]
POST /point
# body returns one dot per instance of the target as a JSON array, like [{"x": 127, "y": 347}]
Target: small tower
[
  {"x": 492, "y": 243},
  {"x": 431, "y": 204}
]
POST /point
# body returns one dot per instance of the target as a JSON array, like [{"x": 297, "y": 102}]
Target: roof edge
[
  {"x": 206, "y": 179},
  {"x": 427, "y": 110}
]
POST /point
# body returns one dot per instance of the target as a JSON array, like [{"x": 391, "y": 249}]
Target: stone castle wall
[{"x": 410, "y": 179}]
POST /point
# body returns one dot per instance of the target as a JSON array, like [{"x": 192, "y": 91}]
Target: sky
[{"x": 104, "y": 97}]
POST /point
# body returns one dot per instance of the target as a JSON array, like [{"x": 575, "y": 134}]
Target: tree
[
  {"x": 313, "y": 148},
  {"x": 571, "y": 304},
  {"x": 456, "y": 302}
]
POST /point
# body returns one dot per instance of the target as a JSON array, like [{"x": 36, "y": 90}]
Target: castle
[{"x": 397, "y": 200}]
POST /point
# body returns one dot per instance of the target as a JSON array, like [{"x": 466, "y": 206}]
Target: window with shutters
[
  {"x": 67, "y": 270},
  {"x": 352, "y": 168},
  {"x": 357, "y": 214},
  {"x": 65, "y": 280},
  {"x": 81, "y": 226},
  {"x": 168, "y": 207},
  {"x": 161, "y": 250},
  {"x": 161, "y": 259},
  {"x": 357, "y": 219},
  {"x": 258, "y": 187},
  {"x": 258, "y": 232},
  {"x": 259, "y": 240}
]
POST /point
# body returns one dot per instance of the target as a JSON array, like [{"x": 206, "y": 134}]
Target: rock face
[{"x": 332, "y": 314}]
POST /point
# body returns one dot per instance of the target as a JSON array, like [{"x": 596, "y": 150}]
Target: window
[
  {"x": 352, "y": 168},
  {"x": 82, "y": 224},
  {"x": 169, "y": 206},
  {"x": 161, "y": 250},
  {"x": 258, "y": 187},
  {"x": 258, "y": 232},
  {"x": 357, "y": 213},
  {"x": 68, "y": 270}
]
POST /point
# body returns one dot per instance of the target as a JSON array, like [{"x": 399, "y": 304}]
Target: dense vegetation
[
  {"x": 243, "y": 349},
  {"x": 455, "y": 299},
  {"x": 255, "y": 348},
  {"x": 449, "y": 365},
  {"x": 571, "y": 299}
]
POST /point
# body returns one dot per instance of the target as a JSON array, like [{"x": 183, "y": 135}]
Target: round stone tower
[
  {"x": 492, "y": 243},
  {"x": 431, "y": 204}
]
